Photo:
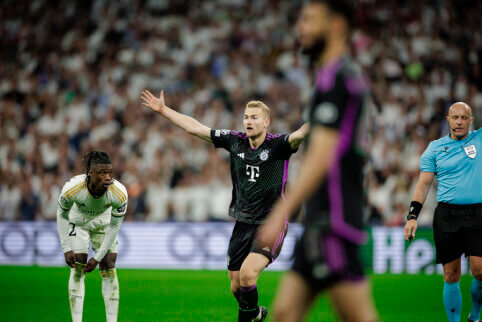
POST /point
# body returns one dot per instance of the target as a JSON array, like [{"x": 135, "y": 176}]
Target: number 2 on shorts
[{"x": 72, "y": 232}]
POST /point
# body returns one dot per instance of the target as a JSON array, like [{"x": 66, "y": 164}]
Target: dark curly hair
[{"x": 94, "y": 157}]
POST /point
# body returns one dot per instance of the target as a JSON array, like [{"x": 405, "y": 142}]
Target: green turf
[{"x": 40, "y": 294}]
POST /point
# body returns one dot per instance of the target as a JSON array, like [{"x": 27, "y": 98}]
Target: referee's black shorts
[{"x": 457, "y": 230}]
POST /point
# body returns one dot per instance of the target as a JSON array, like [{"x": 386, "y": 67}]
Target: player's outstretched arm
[
  {"x": 296, "y": 138},
  {"x": 419, "y": 195},
  {"x": 187, "y": 123}
]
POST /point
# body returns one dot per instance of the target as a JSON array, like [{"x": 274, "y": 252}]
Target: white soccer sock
[
  {"x": 110, "y": 291},
  {"x": 76, "y": 291}
]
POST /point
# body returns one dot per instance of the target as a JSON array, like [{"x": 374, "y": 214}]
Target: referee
[{"x": 457, "y": 221}]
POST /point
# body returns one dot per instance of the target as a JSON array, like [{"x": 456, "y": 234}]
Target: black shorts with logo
[
  {"x": 457, "y": 230},
  {"x": 243, "y": 241},
  {"x": 324, "y": 259}
]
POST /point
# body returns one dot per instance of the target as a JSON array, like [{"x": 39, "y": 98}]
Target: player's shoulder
[
  {"x": 74, "y": 185},
  {"x": 343, "y": 74},
  {"x": 477, "y": 133},
  {"x": 276, "y": 137},
  {"x": 228, "y": 133},
  {"x": 118, "y": 190},
  {"x": 239, "y": 135},
  {"x": 351, "y": 76},
  {"x": 435, "y": 144}
]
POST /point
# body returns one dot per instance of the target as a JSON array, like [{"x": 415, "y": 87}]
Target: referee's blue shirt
[{"x": 458, "y": 167}]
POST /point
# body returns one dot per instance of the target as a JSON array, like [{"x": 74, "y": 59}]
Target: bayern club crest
[
  {"x": 471, "y": 151},
  {"x": 264, "y": 155}
]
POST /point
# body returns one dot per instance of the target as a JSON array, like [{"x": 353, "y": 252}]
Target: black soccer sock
[
  {"x": 237, "y": 294},
  {"x": 248, "y": 303}
]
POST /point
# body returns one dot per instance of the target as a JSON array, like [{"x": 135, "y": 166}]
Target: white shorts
[{"x": 80, "y": 239}]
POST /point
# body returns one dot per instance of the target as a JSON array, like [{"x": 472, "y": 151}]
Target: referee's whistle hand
[{"x": 410, "y": 229}]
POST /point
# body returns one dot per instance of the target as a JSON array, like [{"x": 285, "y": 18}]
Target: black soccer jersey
[
  {"x": 340, "y": 102},
  {"x": 259, "y": 175}
]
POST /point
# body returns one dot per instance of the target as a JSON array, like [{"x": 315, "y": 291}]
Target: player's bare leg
[
  {"x": 476, "y": 287},
  {"x": 451, "y": 294},
  {"x": 235, "y": 285},
  {"x": 252, "y": 266},
  {"x": 353, "y": 301},
  {"x": 77, "y": 287},
  {"x": 293, "y": 298},
  {"x": 110, "y": 286}
]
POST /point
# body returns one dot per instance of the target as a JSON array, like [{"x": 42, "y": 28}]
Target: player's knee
[
  {"x": 81, "y": 258},
  {"x": 452, "y": 275},
  {"x": 248, "y": 276},
  {"x": 477, "y": 273},
  {"x": 107, "y": 264}
]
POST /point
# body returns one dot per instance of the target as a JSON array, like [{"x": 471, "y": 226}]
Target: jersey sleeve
[
  {"x": 282, "y": 147},
  {"x": 330, "y": 106},
  {"x": 427, "y": 161},
  {"x": 65, "y": 203},
  {"x": 119, "y": 205},
  {"x": 223, "y": 138},
  {"x": 66, "y": 200}
]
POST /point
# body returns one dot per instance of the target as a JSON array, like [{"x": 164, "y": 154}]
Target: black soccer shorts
[
  {"x": 243, "y": 241},
  {"x": 324, "y": 259},
  {"x": 457, "y": 230}
]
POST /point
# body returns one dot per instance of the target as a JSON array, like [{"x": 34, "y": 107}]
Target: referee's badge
[{"x": 471, "y": 151}]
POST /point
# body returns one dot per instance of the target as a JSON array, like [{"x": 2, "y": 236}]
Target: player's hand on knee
[
  {"x": 70, "y": 258},
  {"x": 91, "y": 265},
  {"x": 410, "y": 229}
]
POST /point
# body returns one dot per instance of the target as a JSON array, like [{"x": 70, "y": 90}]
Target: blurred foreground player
[
  {"x": 259, "y": 170},
  {"x": 91, "y": 209},
  {"x": 330, "y": 180},
  {"x": 457, "y": 222}
]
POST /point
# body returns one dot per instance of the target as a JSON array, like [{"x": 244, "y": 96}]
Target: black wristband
[{"x": 414, "y": 211}]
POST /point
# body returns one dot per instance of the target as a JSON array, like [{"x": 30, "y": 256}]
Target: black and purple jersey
[
  {"x": 259, "y": 175},
  {"x": 340, "y": 102}
]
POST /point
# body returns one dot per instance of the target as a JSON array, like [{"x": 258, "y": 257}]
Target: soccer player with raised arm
[
  {"x": 457, "y": 222},
  {"x": 259, "y": 170},
  {"x": 90, "y": 210},
  {"x": 330, "y": 180}
]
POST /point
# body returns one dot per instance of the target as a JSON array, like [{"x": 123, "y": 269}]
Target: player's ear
[{"x": 267, "y": 121}]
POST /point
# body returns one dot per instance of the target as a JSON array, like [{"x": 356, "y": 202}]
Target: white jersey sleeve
[
  {"x": 119, "y": 204},
  {"x": 65, "y": 203}
]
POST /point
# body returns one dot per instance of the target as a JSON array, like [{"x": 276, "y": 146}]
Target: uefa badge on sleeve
[{"x": 471, "y": 151}]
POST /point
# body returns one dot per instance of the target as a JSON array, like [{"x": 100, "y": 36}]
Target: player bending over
[
  {"x": 91, "y": 209},
  {"x": 259, "y": 169}
]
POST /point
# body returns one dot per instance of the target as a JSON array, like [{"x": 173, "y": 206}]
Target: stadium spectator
[{"x": 67, "y": 84}]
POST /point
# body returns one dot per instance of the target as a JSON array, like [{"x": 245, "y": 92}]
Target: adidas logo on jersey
[{"x": 241, "y": 155}]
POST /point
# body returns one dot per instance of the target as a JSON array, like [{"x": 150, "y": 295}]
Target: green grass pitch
[{"x": 40, "y": 294}]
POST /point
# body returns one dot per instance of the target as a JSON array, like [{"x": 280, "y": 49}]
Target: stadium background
[{"x": 71, "y": 74}]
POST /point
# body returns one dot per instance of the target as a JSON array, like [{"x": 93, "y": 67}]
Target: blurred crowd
[{"x": 71, "y": 74}]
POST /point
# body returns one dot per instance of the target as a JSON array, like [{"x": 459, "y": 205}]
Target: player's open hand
[
  {"x": 154, "y": 103},
  {"x": 91, "y": 264},
  {"x": 70, "y": 258},
  {"x": 410, "y": 229}
]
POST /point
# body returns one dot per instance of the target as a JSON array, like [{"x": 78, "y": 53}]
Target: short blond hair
[{"x": 259, "y": 104}]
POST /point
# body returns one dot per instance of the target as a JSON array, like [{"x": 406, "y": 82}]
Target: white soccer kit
[{"x": 82, "y": 219}]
